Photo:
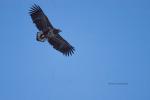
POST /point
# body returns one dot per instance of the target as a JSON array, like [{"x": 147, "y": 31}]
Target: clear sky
[{"x": 112, "y": 41}]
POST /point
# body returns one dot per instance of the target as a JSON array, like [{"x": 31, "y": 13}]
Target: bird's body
[{"x": 48, "y": 32}]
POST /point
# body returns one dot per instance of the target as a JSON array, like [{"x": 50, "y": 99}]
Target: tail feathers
[{"x": 40, "y": 37}]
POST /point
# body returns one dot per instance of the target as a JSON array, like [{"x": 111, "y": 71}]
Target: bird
[{"x": 49, "y": 33}]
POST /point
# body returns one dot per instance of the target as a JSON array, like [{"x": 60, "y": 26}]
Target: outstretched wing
[
  {"x": 39, "y": 18},
  {"x": 61, "y": 45}
]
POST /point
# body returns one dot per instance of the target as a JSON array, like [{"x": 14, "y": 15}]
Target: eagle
[{"x": 49, "y": 33}]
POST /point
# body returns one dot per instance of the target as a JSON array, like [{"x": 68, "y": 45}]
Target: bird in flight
[{"x": 48, "y": 33}]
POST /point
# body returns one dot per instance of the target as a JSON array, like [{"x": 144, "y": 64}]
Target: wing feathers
[
  {"x": 61, "y": 45},
  {"x": 39, "y": 18}
]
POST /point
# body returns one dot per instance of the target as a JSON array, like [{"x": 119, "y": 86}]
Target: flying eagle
[{"x": 48, "y": 32}]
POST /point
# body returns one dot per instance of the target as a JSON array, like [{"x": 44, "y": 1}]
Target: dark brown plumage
[{"x": 48, "y": 32}]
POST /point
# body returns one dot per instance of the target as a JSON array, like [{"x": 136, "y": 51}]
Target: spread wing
[
  {"x": 61, "y": 45},
  {"x": 39, "y": 18}
]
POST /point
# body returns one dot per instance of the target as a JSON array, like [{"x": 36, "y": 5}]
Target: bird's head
[{"x": 57, "y": 31}]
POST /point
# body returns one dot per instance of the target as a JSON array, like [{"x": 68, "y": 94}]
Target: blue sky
[{"x": 111, "y": 38}]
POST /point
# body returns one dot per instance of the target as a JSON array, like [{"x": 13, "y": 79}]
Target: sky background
[{"x": 112, "y": 42}]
